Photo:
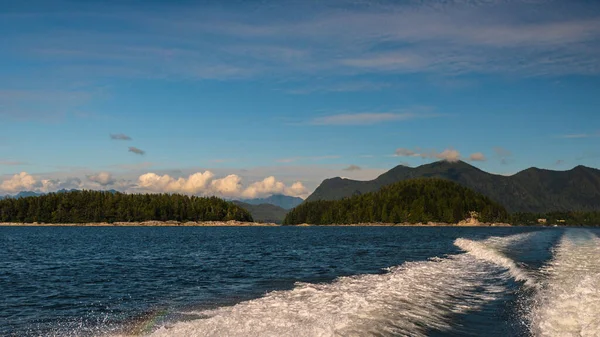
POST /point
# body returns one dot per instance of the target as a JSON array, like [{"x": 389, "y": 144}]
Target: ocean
[{"x": 299, "y": 281}]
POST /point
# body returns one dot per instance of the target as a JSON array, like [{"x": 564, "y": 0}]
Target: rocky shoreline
[
  {"x": 234, "y": 223},
  {"x": 231, "y": 223}
]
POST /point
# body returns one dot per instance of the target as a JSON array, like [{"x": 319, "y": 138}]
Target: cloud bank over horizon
[{"x": 199, "y": 184}]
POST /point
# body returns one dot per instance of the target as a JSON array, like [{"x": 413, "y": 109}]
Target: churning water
[{"x": 292, "y": 281}]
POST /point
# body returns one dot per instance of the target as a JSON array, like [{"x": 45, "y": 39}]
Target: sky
[{"x": 244, "y": 98}]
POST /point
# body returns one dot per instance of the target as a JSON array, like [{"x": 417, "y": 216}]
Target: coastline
[
  {"x": 234, "y": 223},
  {"x": 231, "y": 223}
]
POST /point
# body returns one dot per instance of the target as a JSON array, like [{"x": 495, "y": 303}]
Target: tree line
[
  {"x": 573, "y": 218},
  {"x": 101, "y": 206},
  {"x": 412, "y": 201}
]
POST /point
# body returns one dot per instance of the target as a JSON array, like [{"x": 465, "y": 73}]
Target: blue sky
[{"x": 294, "y": 90}]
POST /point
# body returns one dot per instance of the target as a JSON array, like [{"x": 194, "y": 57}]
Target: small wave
[
  {"x": 491, "y": 250},
  {"x": 410, "y": 299},
  {"x": 569, "y": 301},
  {"x": 483, "y": 252}
]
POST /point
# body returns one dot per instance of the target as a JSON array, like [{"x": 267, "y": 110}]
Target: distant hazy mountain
[
  {"x": 22, "y": 194},
  {"x": 25, "y": 194},
  {"x": 531, "y": 190},
  {"x": 264, "y": 212},
  {"x": 283, "y": 201}
]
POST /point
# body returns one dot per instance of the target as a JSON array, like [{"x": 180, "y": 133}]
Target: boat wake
[
  {"x": 569, "y": 302},
  {"x": 412, "y": 299},
  {"x": 491, "y": 250}
]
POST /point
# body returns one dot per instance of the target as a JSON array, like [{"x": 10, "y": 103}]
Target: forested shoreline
[
  {"x": 101, "y": 206},
  {"x": 411, "y": 201},
  {"x": 425, "y": 200},
  {"x": 573, "y": 218}
]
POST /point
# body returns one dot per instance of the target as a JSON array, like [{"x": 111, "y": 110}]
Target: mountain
[
  {"x": 22, "y": 194},
  {"x": 283, "y": 201},
  {"x": 264, "y": 212},
  {"x": 412, "y": 201},
  {"x": 531, "y": 190},
  {"x": 25, "y": 194}
]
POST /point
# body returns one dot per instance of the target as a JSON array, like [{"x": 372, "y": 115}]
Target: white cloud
[
  {"x": 51, "y": 185},
  {"x": 20, "y": 182},
  {"x": 102, "y": 178},
  {"x": 196, "y": 183},
  {"x": 477, "y": 156},
  {"x": 229, "y": 186},
  {"x": 450, "y": 155},
  {"x": 204, "y": 183},
  {"x": 26, "y": 182},
  {"x": 218, "y": 183}
]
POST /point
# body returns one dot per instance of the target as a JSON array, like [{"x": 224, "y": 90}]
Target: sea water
[{"x": 299, "y": 281}]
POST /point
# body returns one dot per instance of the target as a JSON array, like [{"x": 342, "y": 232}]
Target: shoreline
[{"x": 233, "y": 223}]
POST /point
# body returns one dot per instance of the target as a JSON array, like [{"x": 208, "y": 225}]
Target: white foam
[
  {"x": 410, "y": 299},
  {"x": 491, "y": 250},
  {"x": 569, "y": 302},
  {"x": 407, "y": 300}
]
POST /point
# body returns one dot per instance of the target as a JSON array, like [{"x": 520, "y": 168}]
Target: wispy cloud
[
  {"x": 133, "y": 167},
  {"x": 581, "y": 135},
  {"x": 503, "y": 155},
  {"x": 315, "y": 158},
  {"x": 450, "y": 155},
  {"x": 352, "y": 168},
  {"x": 369, "y": 118},
  {"x": 135, "y": 150},
  {"x": 42, "y": 105},
  {"x": 119, "y": 136},
  {"x": 221, "y": 160},
  {"x": 328, "y": 38},
  {"x": 477, "y": 156},
  {"x": 102, "y": 178},
  {"x": 341, "y": 87},
  {"x": 12, "y": 163}
]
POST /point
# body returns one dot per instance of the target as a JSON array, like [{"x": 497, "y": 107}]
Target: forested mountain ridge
[
  {"x": 280, "y": 200},
  {"x": 531, "y": 190},
  {"x": 108, "y": 206},
  {"x": 412, "y": 201},
  {"x": 267, "y": 213}
]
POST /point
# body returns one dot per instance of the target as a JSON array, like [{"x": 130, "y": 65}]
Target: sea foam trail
[
  {"x": 491, "y": 250},
  {"x": 410, "y": 299},
  {"x": 407, "y": 300},
  {"x": 569, "y": 302}
]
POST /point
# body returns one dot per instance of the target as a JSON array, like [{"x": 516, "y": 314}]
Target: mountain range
[
  {"x": 283, "y": 201},
  {"x": 264, "y": 212},
  {"x": 25, "y": 194},
  {"x": 531, "y": 190},
  {"x": 270, "y": 209}
]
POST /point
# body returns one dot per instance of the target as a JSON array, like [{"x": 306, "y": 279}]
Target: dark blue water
[{"x": 103, "y": 280}]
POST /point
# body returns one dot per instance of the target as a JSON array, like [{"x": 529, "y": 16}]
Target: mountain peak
[{"x": 531, "y": 190}]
